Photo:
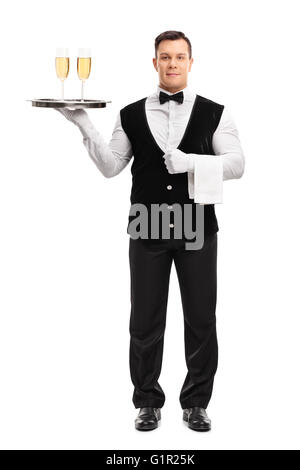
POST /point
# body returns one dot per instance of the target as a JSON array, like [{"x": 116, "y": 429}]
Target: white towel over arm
[{"x": 206, "y": 182}]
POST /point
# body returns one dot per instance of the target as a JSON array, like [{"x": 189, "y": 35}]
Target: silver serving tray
[{"x": 77, "y": 104}]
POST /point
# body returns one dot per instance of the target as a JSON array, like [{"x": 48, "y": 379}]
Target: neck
[{"x": 172, "y": 89}]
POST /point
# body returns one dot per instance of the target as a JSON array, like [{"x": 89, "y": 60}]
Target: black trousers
[{"x": 150, "y": 267}]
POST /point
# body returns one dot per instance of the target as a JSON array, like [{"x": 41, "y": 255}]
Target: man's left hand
[{"x": 177, "y": 161}]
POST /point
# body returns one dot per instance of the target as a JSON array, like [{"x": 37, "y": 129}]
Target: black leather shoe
[
  {"x": 197, "y": 418},
  {"x": 147, "y": 418}
]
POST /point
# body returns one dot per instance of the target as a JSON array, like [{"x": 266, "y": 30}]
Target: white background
[{"x": 65, "y": 302}]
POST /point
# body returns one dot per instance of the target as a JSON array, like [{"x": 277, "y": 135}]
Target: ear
[{"x": 155, "y": 63}]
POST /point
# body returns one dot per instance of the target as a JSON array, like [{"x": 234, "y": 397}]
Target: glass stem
[
  {"x": 62, "y": 90},
  {"x": 82, "y": 86}
]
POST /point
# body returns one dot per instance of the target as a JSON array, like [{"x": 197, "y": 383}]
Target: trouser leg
[
  {"x": 197, "y": 276},
  {"x": 150, "y": 266}
]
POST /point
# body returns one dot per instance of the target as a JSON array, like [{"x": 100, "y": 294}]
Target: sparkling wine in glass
[
  {"x": 84, "y": 62},
  {"x": 62, "y": 66}
]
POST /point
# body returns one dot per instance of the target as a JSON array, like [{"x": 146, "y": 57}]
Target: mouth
[{"x": 172, "y": 74}]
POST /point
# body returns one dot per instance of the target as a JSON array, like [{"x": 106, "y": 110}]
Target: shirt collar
[{"x": 188, "y": 93}]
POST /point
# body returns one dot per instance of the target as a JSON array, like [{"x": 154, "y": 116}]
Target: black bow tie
[{"x": 163, "y": 97}]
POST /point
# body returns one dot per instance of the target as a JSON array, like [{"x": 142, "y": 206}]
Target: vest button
[
  {"x": 169, "y": 187},
  {"x": 171, "y": 225}
]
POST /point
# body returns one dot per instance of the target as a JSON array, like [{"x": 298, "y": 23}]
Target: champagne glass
[
  {"x": 62, "y": 65},
  {"x": 83, "y": 66}
]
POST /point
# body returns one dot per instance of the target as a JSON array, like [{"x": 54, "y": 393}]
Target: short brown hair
[{"x": 172, "y": 35}]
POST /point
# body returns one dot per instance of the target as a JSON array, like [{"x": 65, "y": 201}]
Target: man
[{"x": 184, "y": 146}]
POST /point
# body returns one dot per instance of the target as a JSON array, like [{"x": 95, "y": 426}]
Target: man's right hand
[{"x": 77, "y": 116}]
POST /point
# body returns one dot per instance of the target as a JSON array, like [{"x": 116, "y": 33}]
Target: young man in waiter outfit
[{"x": 183, "y": 146}]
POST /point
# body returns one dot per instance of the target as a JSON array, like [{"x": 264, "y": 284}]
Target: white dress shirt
[{"x": 167, "y": 123}]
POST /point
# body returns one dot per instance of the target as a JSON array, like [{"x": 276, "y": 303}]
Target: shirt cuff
[
  {"x": 207, "y": 184},
  {"x": 191, "y": 163}
]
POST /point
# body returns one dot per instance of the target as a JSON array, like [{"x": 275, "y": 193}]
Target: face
[{"x": 173, "y": 64}]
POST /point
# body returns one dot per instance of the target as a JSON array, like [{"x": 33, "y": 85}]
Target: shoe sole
[
  {"x": 148, "y": 427},
  {"x": 201, "y": 429}
]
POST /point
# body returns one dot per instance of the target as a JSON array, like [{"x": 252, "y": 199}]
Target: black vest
[{"x": 150, "y": 177}]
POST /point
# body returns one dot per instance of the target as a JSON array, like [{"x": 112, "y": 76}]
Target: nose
[{"x": 173, "y": 64}]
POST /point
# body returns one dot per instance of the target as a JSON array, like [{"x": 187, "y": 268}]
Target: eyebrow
[{"x": 179, "y": 53}]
